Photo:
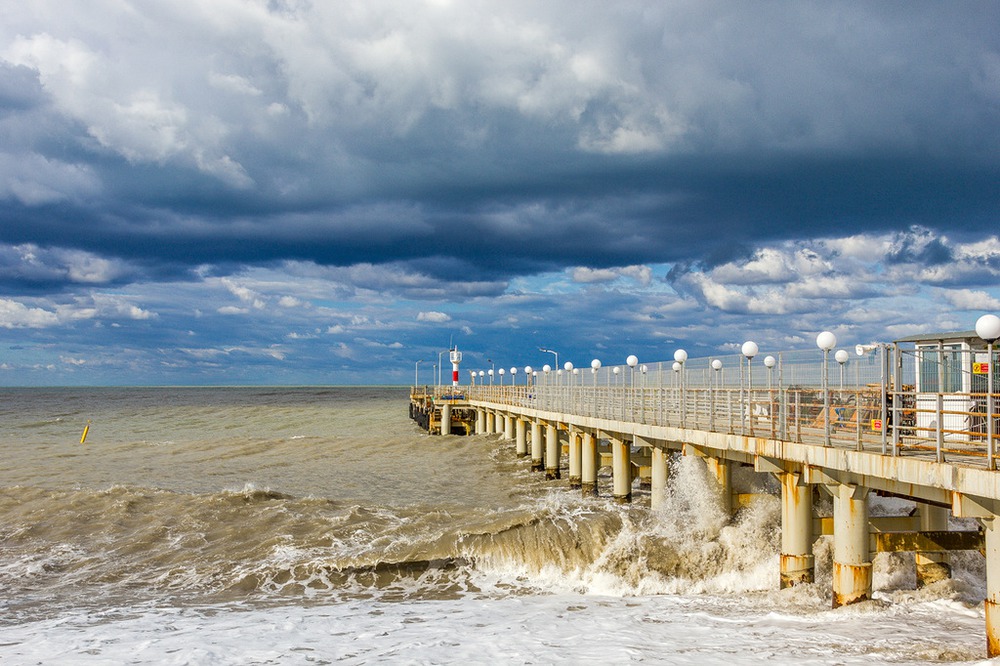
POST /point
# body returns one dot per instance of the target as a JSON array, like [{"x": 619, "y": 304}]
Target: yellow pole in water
[{"x": 86, "y": 429}]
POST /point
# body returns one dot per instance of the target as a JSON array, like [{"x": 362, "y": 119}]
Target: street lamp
[
  {"x": 769, "y": 363},
  {"x": 750, "y": 350},
  {"x": 988, "y": 328},
  {"x": 841, "y": 357},
  {"x": 501, "y": 371},
  {"x": 440, "y": 354},
  {"x": 550, "y": 351},
  {"x": 490, "y": 373},
  {"x": 680, "y": 356},
  {"x": 527, "y": 375},
  {"x": 826, "y": 341},
  {"x": 717, "y": 366},
  {"x": 416, "y": 366}
]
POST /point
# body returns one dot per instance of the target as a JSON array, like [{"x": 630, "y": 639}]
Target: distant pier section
[{"x": 915, "y": 419}]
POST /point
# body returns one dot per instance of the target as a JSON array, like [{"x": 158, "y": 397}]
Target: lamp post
[
  {"x": 501, "y": 371},
  {"x": 550, "y": 351},
  {"x": 440, "y": 354},
  {"x": 826, "y": 341},
  {"x": 527, "y": 375},
  {"x": 416, "y": 366},
  {"x": 841, "y": 357},
  {"x": 769, "y": 363},
  {"x": 988, "y": 328},
  {"x": 631, "y": 362},
  {"x": 680, "y": 356},
  {"x": 490, "y": 373},
  {"x": 717, "y": 367},
  {"x": 750, "y": 350},
  {"x": 513, "y": 376}
]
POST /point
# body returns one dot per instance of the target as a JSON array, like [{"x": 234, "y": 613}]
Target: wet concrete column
[
  {"x": 480, "y": 421},
  {"x": 852, "y": 567},
  {"x": 932, "y": 566},
  {"x": 521, "y": 437},
  {"x": 552, "y": 452},
  {"x": 590, "y": 462},
  {"x": 446, "y": 419},
  {"x": 992, "y": 603},
  {"x": 575, "y": 458},
  {"x": 797, "y": 562},
  {"x": 537, "y": 447},
  {"x": 721, "y": 470},
  {"x": 621, "y": 471},
  {"x": 658, "y": 489},
  {"x": 508, "y": 426},
  {"x": 490, "y": 423}
]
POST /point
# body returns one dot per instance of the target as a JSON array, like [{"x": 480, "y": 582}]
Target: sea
[{"x": 320, "y": 525}]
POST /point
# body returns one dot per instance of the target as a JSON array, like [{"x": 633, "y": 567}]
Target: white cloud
[
  {"x": 433, "y": 317},
  {"x": 14, "y": 314},
  {"x": 968, "y": 299}
]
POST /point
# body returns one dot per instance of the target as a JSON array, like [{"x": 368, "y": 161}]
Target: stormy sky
[{"x": 296, "y": 191}]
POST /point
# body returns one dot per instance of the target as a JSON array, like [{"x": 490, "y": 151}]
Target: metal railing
[{"x": 890, "y": 400}]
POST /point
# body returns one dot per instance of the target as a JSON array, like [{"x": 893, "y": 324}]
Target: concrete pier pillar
[
  {"x": 992, "y": 603},
  {"x": 852, "y": 567},
  {"x": 551, "y": 452},
  {"x": 932, "y": 566},
  {"x": 797, "y": 563},
  {"x": 575, "y": 459},
  {"x": 446, "y": 419},
  {"x": 537, "y": 447},
  {"x": 508, "y": 426},
  {"x": 490, "y": 423},
  {"x": 721, "y": 470},
  {"x": 590, "y": 462},
  {"x": 621, "y": 470},
  {"x": 658, "y": 480},
  {"x": 521, "y": 439},
  {"x": 480, "y": 421}
]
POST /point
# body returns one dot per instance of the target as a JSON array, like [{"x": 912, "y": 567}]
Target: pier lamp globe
[
  {"x": 595, "y": 365},
  {"x": 717, "y": 364},
  {"x": 546, "y": 368},
  {"x": 680, "y": 356},
  {"x": 677, "y": 366},
  {"x": 749, "y": 349},
  {"x": 527, "y": 370},
  {"x": 513, "y": 371},
  {"x": 988, "y": 328},
  {"x": 632, "y": 360},
  {"x": 568, "y": 366},
  {"x": 841, "y": 356},
  {"x": 826, "y": 341}
]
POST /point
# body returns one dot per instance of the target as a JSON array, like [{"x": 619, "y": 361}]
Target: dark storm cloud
[{"x": 349, "y": 174}]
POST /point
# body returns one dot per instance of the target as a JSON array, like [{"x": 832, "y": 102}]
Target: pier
[{"x": 915, "y": 419}]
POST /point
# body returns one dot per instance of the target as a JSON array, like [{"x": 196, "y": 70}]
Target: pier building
[{"x": 915, "y": 419}]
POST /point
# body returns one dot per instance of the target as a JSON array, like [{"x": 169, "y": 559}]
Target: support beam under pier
[
  {"x": 852, "y": 567},
  {"x": 589, "y": 464},
  {"x": 797, "y": 562},
  {"x": 658, "y": 489},
  {"x": 521, "y": 438},
  {"x": 621, "y": 470},
  {"x": 575, "y": 458},
  {"x": 537, "y": 448},
  {"x": 551, "y": 452}
]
